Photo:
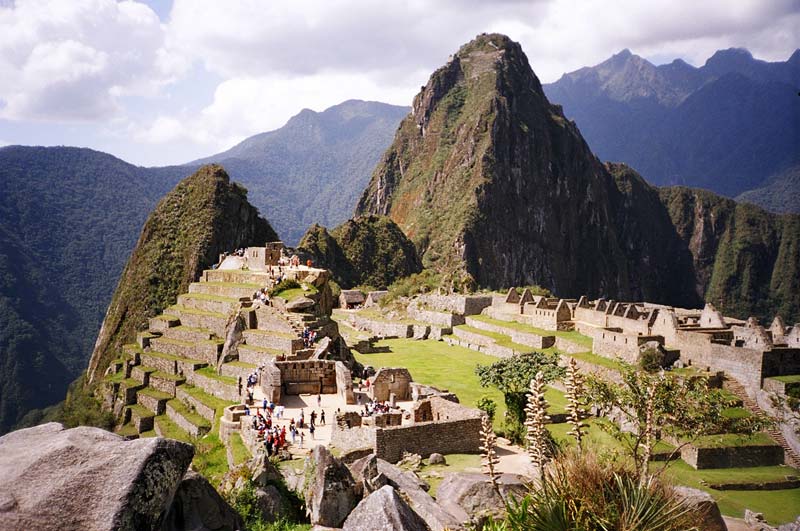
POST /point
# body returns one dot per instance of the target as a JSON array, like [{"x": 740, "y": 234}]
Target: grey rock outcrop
[
  {"x": 272, "y": 504},
  {"x": 234, "y": 337},
  {"x": 373, "y": 474},
  {"x": 330, "y": 493},
  {"x": 706, "y": 506},
  {"x": 87, "y": 478},
  {"x": 197, "y": 506},
  {"x": 474, "y": 494},
  {"x": 299, "y": 305},
  {"x": 436, "y": 459},
  {"x": 384, "y": 510}
]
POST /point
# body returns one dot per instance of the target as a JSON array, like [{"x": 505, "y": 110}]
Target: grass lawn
[
  {"x": 573, "y": 336},
  {"x": 438, "y": 364},
  {"x": 778, "y": 506},
  {"x": 501, "y": 339},
  {"x": 795, "y": 378},
  {"x": 597, "y": 360}
]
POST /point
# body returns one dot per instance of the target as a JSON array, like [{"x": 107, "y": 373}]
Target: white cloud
[
  {"x": 246, "y": 106},
  {"x": 72, "y": 60}
]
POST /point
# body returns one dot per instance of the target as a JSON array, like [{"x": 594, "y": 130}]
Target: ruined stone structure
[
  {"x": 541, "y": 312},
  {"x": 351, "y": 298},
  {"x": 435, "y": 425},
  {"x": 280, "y": 378},
  {"x": 390, "y": 381},
  {"x": 202, "y": 349}
]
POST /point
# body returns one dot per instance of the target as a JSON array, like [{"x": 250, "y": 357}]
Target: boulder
[
  {"x": 436, "y": 459},
  {"x": 198, "y": 506},
  {"x": 272, "y": 504},
  {"x": 264, "y": 472},
  {"x": 330, "y": 492},
  {"x": 374, "y": 474},
  {"x": 384, "y": 510},
  {"x": 705, "y": 505},
  {"x": 756, "y": 521},
  {"x": 234, "y": 337},
  {"x": 87, "y": 478},
  {"x": 300, "y": 304},
  {"x": 474, "y": 494}
]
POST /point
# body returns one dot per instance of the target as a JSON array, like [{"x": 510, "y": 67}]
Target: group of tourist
[
  {"x": 309, "y": 337},
  {"x": 373, "y": 407},
  {"x": 262, "y": 296}
]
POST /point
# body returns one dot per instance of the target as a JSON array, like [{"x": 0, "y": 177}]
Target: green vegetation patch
[
  {"x": 502, "y": 340},
  {"x": 211, "y": 401},
  {"x": 575, "y": 337},
  {"x": 170, "y": 430},
  {"x": 189, "y": 414},
  {"x": 209, "y": 372},
  {"x": 778, "y": 506},
  {"x": 140, "y": 411},
  {"x": 241, "y": 364},
  {"x": 597, "y": 360},
  {"x": 166, "y": 376},
  {"x": 794, "y": 378},
  {"x": 441, "y": 365},
  {"x": 154, "y": 393},
  {"x": 434, "y": 474},
  {"x": 238, "y": 449}
]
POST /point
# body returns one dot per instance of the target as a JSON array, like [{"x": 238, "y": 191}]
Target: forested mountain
[
  {"x": 313, "y": 169},
  {"x": 68, "y": 220},
  {"x": 730, "y": 126}
]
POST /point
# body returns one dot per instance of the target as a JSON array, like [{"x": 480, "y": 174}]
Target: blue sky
[{"x": 161, "y": 82}]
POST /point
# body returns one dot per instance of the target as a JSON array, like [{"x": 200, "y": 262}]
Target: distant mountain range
[
  {"x": 313, "y": 169},
  {"x": 730, "y": 126}
]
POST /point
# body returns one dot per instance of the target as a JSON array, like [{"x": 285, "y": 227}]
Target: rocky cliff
[
  {"x": 490, "y": 180},
  {"x": 367, "y": 250},
  {"x": 205, "y": 215}
]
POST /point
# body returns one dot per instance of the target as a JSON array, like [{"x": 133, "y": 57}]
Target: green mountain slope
[
  {"x": 367, "y": 250},
  {"x": 69, "y": 218},
  {"x": 202, "y": 217}
]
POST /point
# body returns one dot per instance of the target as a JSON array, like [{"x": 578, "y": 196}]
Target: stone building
[
  {"x": 390, "y": 381},
  {"x": 350, "y": 298}
]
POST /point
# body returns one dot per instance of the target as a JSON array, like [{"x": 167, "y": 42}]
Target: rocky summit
[{"x": 495, "y": 185}]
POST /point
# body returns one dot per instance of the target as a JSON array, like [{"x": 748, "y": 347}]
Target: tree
[
  {"x": 660, "y": 406},
  {"x": 512, "y": 376}
]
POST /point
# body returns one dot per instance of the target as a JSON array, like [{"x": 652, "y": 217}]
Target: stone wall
[
  {"x": 344, "y": 383},
  {"x": 460, "y": 304},
  {"x": 459, "y": 436},
  {"x": 313, "y": 376},
  {"x": 214, "y": 386},
  {"x": 442, "y": 319},
  {"x": 490, "y": 350},
  {"x": 732, "y": 456},
  {"x": 381, "y": 328},
  {"x": 523, "y": 338},
  {"x": 565, "y": 345},
  {"x": 271, "y": 382},
  {"x": 388, "y": 381},
  {"x": 355, "y": 438},
  {"x": 611, "y": 344},
  {"x": 540, "y": 317},
  {"x": 269, "y": 319}
]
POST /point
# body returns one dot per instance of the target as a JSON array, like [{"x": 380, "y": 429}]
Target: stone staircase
[
  {"x": 791, "y": 458},
  {"x": 171, "y": 382}
]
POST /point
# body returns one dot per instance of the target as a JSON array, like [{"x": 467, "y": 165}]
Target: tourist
[
  {"x": 240, "y": 385},
  {"x": 302, "y": 438},
  {"x": 264, "y": 405},
  {"x": 311, "y": 429},
  {"x": 322, "y": 418},
  {"x": 293, "y": 433},
  {"x": 313, "y": 418},
  {"x": 319, "y": 400}
]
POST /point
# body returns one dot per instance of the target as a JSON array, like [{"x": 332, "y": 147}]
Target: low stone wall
[
  {"x": 611, "y": 344},
  {"x": 355, "y": 438},
  {"x": 381, "y": 328},
  {"x": 598, "y": 370},
  {"x": 523, "y": 338},
  {"x": 203, "y": 410},
  {"x": 209, "y": 322},
  {"x": 460, "y": 436},
  {"x": 442, "y": 319},
  {"x": 473, "y": 337},
  {"x": 268, "y": 319},
  {"x": 188, "y": 427},
  {"x": 208, "y": 305},
  {"x": 162, "y": 364},
  {"x": 732, "y": 457},
  {"x": 155, "y": 405}
]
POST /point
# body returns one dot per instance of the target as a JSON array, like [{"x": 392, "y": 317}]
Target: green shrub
[
  {"x": 487, "y": 405},
  {"x": 651, "y": 360}
]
